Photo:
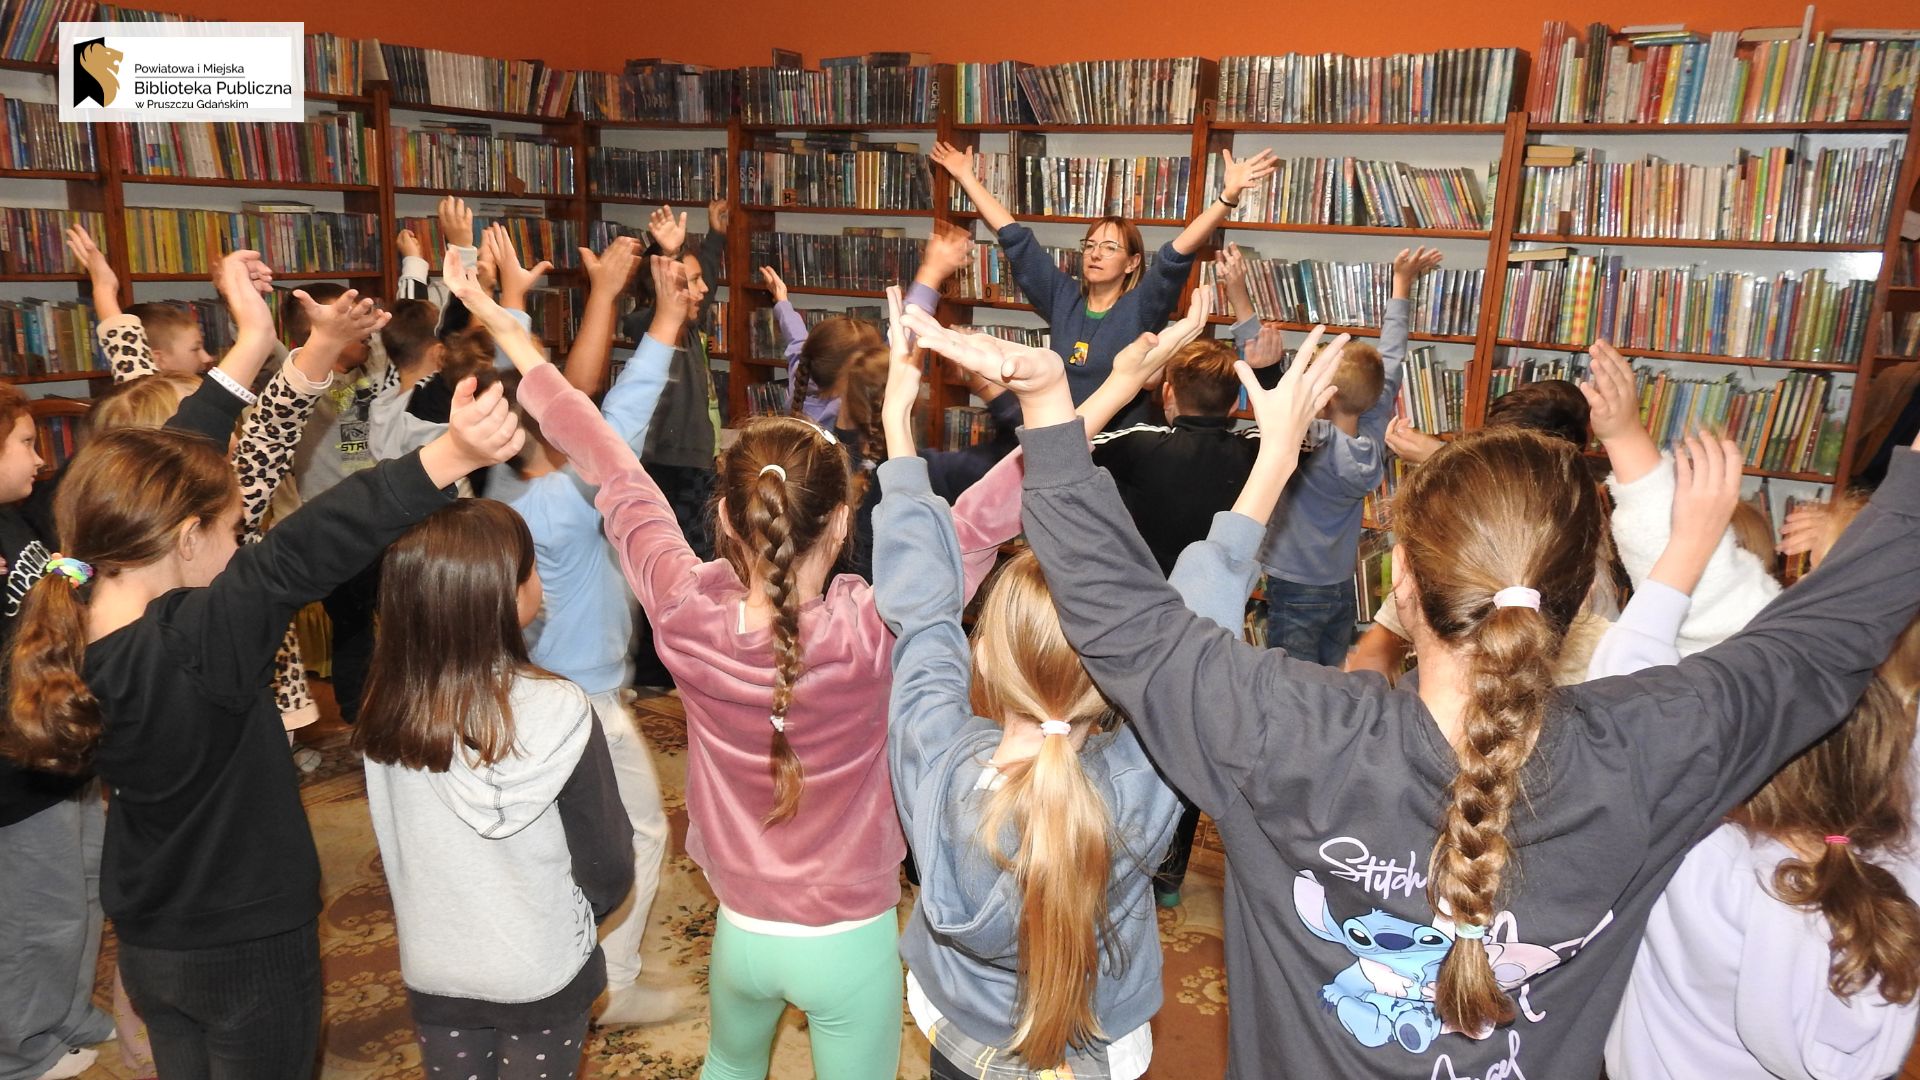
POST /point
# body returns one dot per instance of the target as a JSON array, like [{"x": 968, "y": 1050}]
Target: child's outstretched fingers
[{"x": 897, "y": 342}]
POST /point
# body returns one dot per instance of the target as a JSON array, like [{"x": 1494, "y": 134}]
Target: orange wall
[{"x": 602, "y": 33}]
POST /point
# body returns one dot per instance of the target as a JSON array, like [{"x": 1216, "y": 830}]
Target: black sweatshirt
[
  {"x": 1174, "y": 479},
  {"x": 207, "y": 843},
  {"x": 26, "y": 542},
  {"x": 1329, "y": 789}
]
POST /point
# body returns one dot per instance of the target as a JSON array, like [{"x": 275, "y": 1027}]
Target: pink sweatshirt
[{"x": 838, "y": 858}]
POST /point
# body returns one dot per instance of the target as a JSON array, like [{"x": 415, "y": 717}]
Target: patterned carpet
[{"x": 370, "y": 1037}]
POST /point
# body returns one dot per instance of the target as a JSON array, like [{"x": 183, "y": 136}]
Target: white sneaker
[
  {"x": 307, "y": 758},
  {"x": 75, "y": 1061},
  {"x": 639, "y": 1005}
]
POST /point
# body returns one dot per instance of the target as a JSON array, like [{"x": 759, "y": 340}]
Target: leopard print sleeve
[
  {"x": 124, "y": 341},
  {"x": 268, "y": 438}
]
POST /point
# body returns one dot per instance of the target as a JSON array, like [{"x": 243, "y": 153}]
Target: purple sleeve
[{"x": 794, "y": 329}]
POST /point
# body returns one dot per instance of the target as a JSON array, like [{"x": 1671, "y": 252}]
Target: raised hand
[
  {"x": 487, "y": 269},
  {"x": 1805, "y": 527},
  {"x": 1612, "y": 401},
  {"x": 347, "y": 319},
  {"x": 1231, "y": 266},
  {"x": 771, "y": 279},
  {"x": 903, "y": 381},
  {"x": 481, "y": 431},
  {"x": 1409, "y": 443},
  {"x": 93, "y": 262},
  {"x": 953, "y": 159},
  {"x": 1238, "y": 176},
  {"x": 949, "y": 250},
  {"x": 1706, "y": 486},
  {"x": 609, "y": 271},
  {"x": 1285, "y": 412},
  {"x": 508, "y": 334},
  {"x": 409, "y": 245},
  {"x": 1024, "y": 370},
  {"x": 1268, "y": 348},
  {"x": 515, "y": 280},
  {"x": 668, "y": 230},
  {"x": 1409, "y": 266},
  {"x": 456, "y": 221},
  {"x": 719, "y": 215},
  {"x": 1144, "y": 359},
  {"x": 243, "y": 280}
]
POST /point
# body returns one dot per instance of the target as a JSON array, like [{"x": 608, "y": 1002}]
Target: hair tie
[
  {"x": 1836, "y": 838},
  {"x": 779, "y": 723},
  {"x": 1517, "y": 596},
  {"x": 775, "y": 470},
  {"x": 1055, "y": 727},
  {"x": 1469, "y": 931},
  {"x": 73, "y": 570}
]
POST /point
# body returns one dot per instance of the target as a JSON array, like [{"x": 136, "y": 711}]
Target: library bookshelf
[{"x": 1502, "y": 146}]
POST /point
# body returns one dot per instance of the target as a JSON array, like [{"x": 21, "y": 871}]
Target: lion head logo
[{"x": 96, "y": 72}]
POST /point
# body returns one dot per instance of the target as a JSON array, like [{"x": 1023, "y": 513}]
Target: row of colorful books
[
  {"x": 845, "y": 171},
  {"x": 32, "y": 137},
  {"x": 697, "y": 175},
  {"x": 1451, "y": 86},
  {"x": 47, "y": 337},
  {"x": 1141, "y": 187},
  {"x": 57, "y": 438},
  {"x": 1520, "y": 368},
  {"x": 1793, "y": 425},
  {"x": 474, "y": 157},
  {"x": 767, "y": 398},
  {"x": 216, "y": 322},
  {"x": 175, "y": 241},
  {"x": 332, "y": 147},
  {"x": 435, "y": 77},
  {"x": 34, "y": 241},
  {"x": 535, "y": 236},
  {"x": 880, "y": 88},
  {"x": 990, "y": 93},
  {"x": 1163, "y": 91},
  {"x": 1839, "y": 195},
  {"x": 965, "y": 425},
  {"x": 1786, "y": 75},
  {"x": 1359, "y": 191},
  {"x": 857, "y": 258},
  {"x": 769, "y": 343},
  {"x": 989, "y": 276},
  {"x": 1034, "y": 337},
  {"x": 657, "y": 91},
  {"x": 335, "y": 64},
  {"x": 1687, "y": 309},
  {"x": 1433, "y": 396},
  {"x": 1446, "y": 301}
]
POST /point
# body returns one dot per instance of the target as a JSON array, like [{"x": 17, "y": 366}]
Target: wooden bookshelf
[
  {"x": 1687, "y": 357},
  {"x": 258, "y": 185},
  {"x": 1672, "y": 242}
]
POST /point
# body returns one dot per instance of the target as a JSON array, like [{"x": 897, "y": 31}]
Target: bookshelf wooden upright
[{"x": 1205, "y": 136}]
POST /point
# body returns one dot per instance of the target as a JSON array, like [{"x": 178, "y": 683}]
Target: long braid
[{"x": 767, "y": 516}]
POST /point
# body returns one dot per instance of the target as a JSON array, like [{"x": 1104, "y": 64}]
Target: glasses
[{"x": 1104, "y": 247}]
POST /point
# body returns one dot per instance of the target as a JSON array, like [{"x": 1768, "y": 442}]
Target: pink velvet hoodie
[{"x": 838, "y": 858}]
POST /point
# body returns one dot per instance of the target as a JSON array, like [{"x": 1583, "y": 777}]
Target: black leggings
[
  {"x": 249, "y": 1011},
  {"x": 497, "y": 1054}
]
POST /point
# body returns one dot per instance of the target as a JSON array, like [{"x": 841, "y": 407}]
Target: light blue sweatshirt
[
  {"x": 1315, "y": 531},
  {"x": 591, "y": 639}
]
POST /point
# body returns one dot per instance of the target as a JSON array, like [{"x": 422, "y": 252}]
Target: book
[
  {"x": 681, "y": 176},
  {"x": 1116, "y": 92},
  {"x": 657, "y": 91},
  {"x": 1450, "y": 86},
  {"x": 1433, "y": 396},
  {"x": 32, "y": 137},
  {"x": 34, "y": 241},
  {"x": 835, "y": 170},
  {"x": 1359, "y": 191},
  {"x": 1545, "y": 254},
  {"x": 335, "y": 64},
  {"x": 164, "y": 240},
  {"x": 30, "y": 29},
  {"x": 847, "y": 91},
  {"x": 1687, "y": 309},
  {"x": 1143, "y": 187},
  {"x": 1775, "y": 75},
  {"x": 864, "y": 259},
  {"x": 435, "y": 77},
  {"x": 988, "y": 277},
  {"x": 329, "y": 148},
  {"x": 474, "y": 157},
  {"x": 991, "y": 94},
  {"x": 1353, "y": 294},
  {"x": 48, "y": 337},
  {"x": 1833, "y": 195}
]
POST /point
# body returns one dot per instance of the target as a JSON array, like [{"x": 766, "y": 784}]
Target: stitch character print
[{"x": 1386, "y": 995}]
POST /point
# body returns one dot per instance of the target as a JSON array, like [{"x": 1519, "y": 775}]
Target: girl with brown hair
[
  {"x": 1451, "y": 883},
  {"x": 144, "y": 656},
  {"x": 1034, "y": 816},
  {"x": 469, "y": 746},
  {"x": 784, "y": 670},
  {"x": 1118, "y": 295}
]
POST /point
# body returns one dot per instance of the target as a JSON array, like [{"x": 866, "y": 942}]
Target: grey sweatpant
[{"x": 50, "y": 935}]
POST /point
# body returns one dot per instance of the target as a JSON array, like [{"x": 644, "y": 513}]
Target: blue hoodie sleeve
[{"x": 1045, "y": 286}]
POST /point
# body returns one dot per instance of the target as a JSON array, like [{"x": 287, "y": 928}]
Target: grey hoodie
[
  {"x": 963, "y": 940},
  {"x": 498, "y": 872}
]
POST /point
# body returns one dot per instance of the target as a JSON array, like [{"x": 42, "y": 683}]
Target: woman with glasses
[{"x": 1119, "y": 295}]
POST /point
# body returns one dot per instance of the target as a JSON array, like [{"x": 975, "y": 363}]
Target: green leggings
[{"x": 850, "y": 985}]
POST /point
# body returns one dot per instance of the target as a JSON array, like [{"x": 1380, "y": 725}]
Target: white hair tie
[
  {"x": 1055, "y": 727},
  {"x": 779, "y": 723},
  {"x": 775, "y": 470},
  {"x": 1517, "y": 596}
]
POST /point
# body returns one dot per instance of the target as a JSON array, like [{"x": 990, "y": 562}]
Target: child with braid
[
  {"x": 1363, "y": 940},
  {"x": 784, "y": 671}
]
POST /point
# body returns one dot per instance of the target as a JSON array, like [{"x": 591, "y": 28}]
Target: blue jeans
[{"x": 1311, "y": 622}]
